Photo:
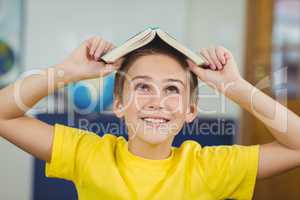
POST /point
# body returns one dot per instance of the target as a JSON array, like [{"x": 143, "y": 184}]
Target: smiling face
[{"x": 155, "y": 101}]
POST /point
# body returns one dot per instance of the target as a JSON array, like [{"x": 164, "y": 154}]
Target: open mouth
[{"x": 155, "y": 121}]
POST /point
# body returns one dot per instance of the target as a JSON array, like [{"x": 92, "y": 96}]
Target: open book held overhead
[{"x": 144, "y": 37}]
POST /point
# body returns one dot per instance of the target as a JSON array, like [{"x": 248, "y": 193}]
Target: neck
[{"x": 146, "y": 150}]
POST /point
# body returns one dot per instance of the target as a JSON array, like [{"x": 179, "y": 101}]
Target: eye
[
  {"x": 172, "y": 90},
  {"x": 142, "y": 87}
]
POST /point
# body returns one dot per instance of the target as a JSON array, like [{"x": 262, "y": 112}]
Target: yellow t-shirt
[{"x": 103, "y": 168}]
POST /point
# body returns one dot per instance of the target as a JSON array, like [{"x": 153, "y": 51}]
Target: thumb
[
  {"x": 110, "y": 67},
  {"x": 118, "y": 63},
  {"x": 107, "y": 69},
  {"x": 100, "y": 69},
  {"x": 197, "y": 70}
]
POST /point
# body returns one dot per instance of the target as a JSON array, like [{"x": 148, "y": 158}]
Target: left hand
[{"x": 222, "y": 69}]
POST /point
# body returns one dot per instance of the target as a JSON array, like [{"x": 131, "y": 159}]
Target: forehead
[{"x": 158, "y": 67}]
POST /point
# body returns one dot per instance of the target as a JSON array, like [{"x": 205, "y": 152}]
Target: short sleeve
[
  {"x": 230, "y": 171},
  {"x": 70, "y": 150}
]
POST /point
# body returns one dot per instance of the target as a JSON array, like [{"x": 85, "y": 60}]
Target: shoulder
[
  {"x": 82, "y": 137},
  {"x": 227, "y": 152},
  {"x": 211, "y": 154}
]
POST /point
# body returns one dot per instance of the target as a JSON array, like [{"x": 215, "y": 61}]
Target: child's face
[{"x": 156, "y": 99}]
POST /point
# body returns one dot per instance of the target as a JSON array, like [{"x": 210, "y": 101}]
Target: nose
[{"x": 154, "y": 102}]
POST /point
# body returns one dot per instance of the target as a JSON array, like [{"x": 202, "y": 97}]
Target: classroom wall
[
  {"x": 55, "y": 27},
  {"x": 217, "y": 23}
]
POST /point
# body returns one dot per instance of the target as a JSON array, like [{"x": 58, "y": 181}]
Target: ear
[
  {"x": 191, "y": 113},
  {"x": 118, "y": 107}
]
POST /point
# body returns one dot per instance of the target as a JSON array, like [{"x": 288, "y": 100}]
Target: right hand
[{"x": 83, "y": 62}]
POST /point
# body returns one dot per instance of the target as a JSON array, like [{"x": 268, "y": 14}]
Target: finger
[
  {"x": 227, "y": 52},
  {"x": 107, "y": 69},
  {"x": 196, "y": 69},
  {"x": 191, "y": 63},
  {"x": 227, "y": 56},
  {"x": 206, "y": 62},
  {"x": 95, "y": 44},
  {"x": 119, "y": 62},
  {"x": 100, "y": 49},
  {"x": 108, "y": 47},
  {"x": 205, "y": 54},
  {"x": 111, "y": 47},
  {"x": 88, "y": 43},
  {"x": 84, "y": 48},
  {"x": 213, "y": 56},
  {"x": 221, "y": 55}
]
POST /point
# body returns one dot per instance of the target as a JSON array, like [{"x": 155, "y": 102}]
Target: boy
[{"x": 156, "y": 93}]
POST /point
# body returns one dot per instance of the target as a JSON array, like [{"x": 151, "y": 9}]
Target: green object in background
[
  {"x": 154, "y": 27},
  {"x": 7, "y": 58}
]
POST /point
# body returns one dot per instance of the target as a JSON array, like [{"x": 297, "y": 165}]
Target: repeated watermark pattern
[{"x": 216, "y": 128}]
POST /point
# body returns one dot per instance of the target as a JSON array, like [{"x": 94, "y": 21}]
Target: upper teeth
[{"x": 155, "y": 120}]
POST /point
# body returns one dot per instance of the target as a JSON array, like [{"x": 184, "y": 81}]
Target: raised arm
[
  {"x": 32, "y": 135},
  {"x": 284, "y": 153}
]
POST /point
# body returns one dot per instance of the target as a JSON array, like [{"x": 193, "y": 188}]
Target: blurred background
[{"x": 264, "y": 36}]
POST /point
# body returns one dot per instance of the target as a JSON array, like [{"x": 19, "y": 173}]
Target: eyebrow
[{"x": 166, "y": 80}]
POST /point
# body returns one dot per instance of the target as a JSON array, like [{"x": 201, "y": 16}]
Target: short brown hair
[{"x": 157, "y": 46}]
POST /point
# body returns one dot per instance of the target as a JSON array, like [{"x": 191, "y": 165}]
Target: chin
[{"x": 154, "y": 138}]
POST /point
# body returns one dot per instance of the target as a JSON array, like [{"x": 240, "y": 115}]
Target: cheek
[
  {"x": 139, "y": 101},
  {"x": 128, "y": 98},
  {"x": 128, "y": 108},
  {"x": 134, "y": 100},
  {"x": 175, "y": 102}
]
